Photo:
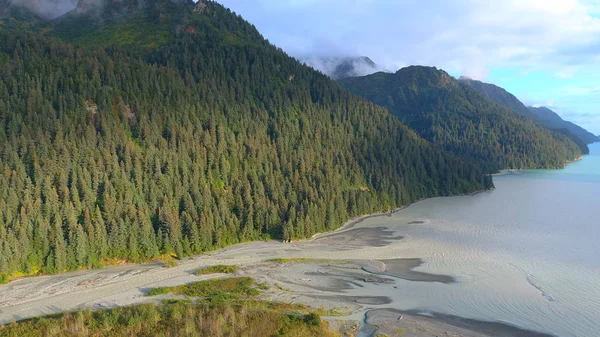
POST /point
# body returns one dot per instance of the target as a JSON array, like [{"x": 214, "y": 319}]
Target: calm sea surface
[{"x": 526, "y": 253}]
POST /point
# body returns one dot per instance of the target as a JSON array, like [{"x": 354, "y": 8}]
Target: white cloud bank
[{"x": 461, "y": 36}]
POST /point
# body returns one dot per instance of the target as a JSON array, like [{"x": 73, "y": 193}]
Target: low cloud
[
  {"x": 462, "y": 36},
  {"x": 343, "y": 66},
  {"x": 46, "y": 9}
]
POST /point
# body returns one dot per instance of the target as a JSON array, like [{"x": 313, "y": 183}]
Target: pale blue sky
[{"x": 546, "y": 52}]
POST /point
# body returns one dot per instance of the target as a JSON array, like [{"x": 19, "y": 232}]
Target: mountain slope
[
  {"x": 208, "y": 137},
  {"x": 459, "y": 119},
  {"x": 498, "y": 95},
  {"x": 547, "y": 117},
  {"x": 552, "y": 120}
]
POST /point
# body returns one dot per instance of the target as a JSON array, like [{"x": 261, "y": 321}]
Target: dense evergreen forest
[
  {"x": 498, "y": 95},
  {"x": 118, "y": 145},
  {"x": 544, "y": 116},
  {"x": 458, "y": 118}
]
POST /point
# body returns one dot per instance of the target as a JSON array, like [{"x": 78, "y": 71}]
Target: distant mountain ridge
[
  {"x": 547, "y": 117},
  {"x": 458, "y": 118},
  {"x": 553, "y": 120}
]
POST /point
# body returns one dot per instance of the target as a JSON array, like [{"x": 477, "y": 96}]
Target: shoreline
[
  {"x": 514, "y": 171},
  {"x": 351, "y": 288},
  {"x": 357, "y": 220},
  {"x": 509, "y": 172},
  {"x": 315, "y": 283}
]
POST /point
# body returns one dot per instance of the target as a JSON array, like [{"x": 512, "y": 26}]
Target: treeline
[{"x": 213, "y": 139}]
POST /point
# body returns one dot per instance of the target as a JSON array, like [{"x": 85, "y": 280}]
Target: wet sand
[
  {"x": 403, "y": 269},
  {"x": 352, "y": 270},
  {"x": 396, "y": 322},
  {"x": 358, "y": 238}
]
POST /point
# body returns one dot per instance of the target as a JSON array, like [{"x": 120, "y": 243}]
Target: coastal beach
[
  {"x": 353, "y": 281},
  {"x": 353, "y": 288}
]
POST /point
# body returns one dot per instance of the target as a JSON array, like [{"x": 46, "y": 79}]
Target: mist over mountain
[
  {"x": 343, "y": 67},
  {"x": 46, "y": 9}
]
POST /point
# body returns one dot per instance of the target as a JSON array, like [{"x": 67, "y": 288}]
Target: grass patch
[
  {"x": 3, "y": 278},
  {"x": 218, "y": 290},
  {"x": 334, "y": 311},
  {"x": 234, "y": 286},
  {"x": 301, "y": 309},
  {"x": 176, "y": 301},
  {"x": 174, "y": 319},
  {"x": 160, "y": 291},
  {"x": 218, "y": 269}
]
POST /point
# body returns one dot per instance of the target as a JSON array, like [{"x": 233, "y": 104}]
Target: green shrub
[
  {"x": 218, "y": 269},
  {"x": 312, "y": 319},
  {"x": 219, "y": 290},
  {"x": 160, "y": 291}
]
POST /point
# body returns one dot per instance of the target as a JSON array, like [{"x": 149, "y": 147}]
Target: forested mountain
[
  {"x": 498, "y": 95},
  {"x": 545, "y": 116},
  {"x": 174, "y": 128},
  {"x": 458, "y": 118},
  {"x": 552, "y": 120}
]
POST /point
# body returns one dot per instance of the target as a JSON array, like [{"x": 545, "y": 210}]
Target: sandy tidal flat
[{"x": 351, "y": 272}]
